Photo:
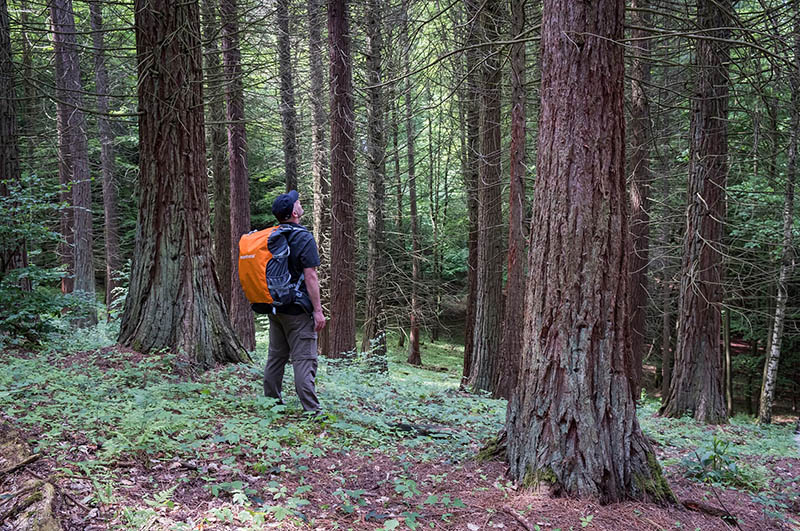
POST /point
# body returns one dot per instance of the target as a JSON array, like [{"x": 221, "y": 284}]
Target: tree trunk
[
  {"x": 13, "y": 253},
  {"x": 572, "y": 420},
  {"x": 217, "y": 137},
  {"x": 639, "y": 164},
  {"x": 174, "y": 300},
  {"x": 787, "y": 252},
  {"x": 414, "y": 355},
  {"x": 489, "y": 289},
  {"x": 319, "y": 161},
  {"x": 471, "y": 171},
  {"x": 343, "y": 180},
  {"x": 375, "y": 318},
  {"x": 507, "y": 367},
  {"x": 726, "y": 348},
  {"x": 240, "y": 312},
  {"x": 111, "y": 224},
  {"x": 697, "y": 385},
  {"x": 74, "y": 154},
  {"x": 288, "y": 113}
]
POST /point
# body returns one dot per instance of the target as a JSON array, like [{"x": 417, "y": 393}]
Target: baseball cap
[{"x": 283, "y": 205}]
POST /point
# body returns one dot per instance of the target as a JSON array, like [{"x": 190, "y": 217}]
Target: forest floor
[{"x": 118, "y": 440}]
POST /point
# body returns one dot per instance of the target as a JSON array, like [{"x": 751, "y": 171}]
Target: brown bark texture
[
  {"x": 639, "y": 168},
  {"x": 174, "y": 300},
  {"x": 240, "y": 312},
  {"x": 572, "y": 420},
  {"x": 489, "y": 289},
  {"x": 787, "y": 252},
  {"x": 507, "y": 366},
  {"x": 74, "y": 154},
  {"x": 111, "y": 221},
  {"x": 288, "y": 112},
  {"x": 319, "y": 160},
  {"x": 697, "y": 378},
  {"x": 414, "y": 354},
  {"x": 342, "y": 335},
  {"x": 13, "y": 253},
  {"x": 374, "y": 329},
  {"x": 472, "y": 117},
  {"x": 216, "y": 132}
]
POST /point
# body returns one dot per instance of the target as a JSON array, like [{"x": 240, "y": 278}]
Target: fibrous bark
[{"x": 288, "y": 113}]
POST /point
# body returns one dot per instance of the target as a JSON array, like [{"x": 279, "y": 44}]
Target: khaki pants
[{"x": 292, "y": 338}]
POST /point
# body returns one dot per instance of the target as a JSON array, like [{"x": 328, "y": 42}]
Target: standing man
[{"x": 292, "y": 331}]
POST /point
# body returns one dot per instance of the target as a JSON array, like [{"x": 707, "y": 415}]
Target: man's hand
[{"x": 319, "y": 321}]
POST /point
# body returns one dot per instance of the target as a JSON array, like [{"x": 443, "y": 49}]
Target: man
[{"x": 292, "y": 331}]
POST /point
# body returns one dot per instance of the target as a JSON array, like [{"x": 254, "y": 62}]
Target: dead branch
[
  {"x": 19, "y": 465},
  {"x": 518, "y": 517}
]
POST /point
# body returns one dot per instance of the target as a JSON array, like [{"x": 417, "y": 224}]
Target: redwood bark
[
  {"x": 240, "y": 312},
  {"x": 74, "y": 155},
  {"x": 111, "y": 221},
  {"x": 216, "y": 132},
  {"x": 414, "y": 355},
  {"x": 489, "y": 289},
  {"x": 288, "y": 113},
  {"x": 174, "y": 300},
  {"x": 507, "y": 367},
  {"x": 697, "y": 378},
  {"x": 319, "y": 160},
  {"x": 787, "y": 253},
  {"x": 343, "y": 238},
  {"x": 639, "y": 164},
  {"x": 374, "y": 330},
  {"x": 572, "y": 420}
]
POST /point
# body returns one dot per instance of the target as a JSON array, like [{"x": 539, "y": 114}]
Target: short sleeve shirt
[{"x": 303, "y": 253}]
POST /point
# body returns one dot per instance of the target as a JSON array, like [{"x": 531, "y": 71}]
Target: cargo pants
[{"x": 292, "y": 338}]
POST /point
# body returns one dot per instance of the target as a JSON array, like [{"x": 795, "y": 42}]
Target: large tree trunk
[
  {"x": 174, "y": 300},
  {"x": 343, "y": 180},
  {"x": 375, "y": 318},
  {"x": 639, "y": 165},
  {"x": 74, "y": 154},
  {"x": 489, "y": 289},
  {"x": 218, "y": 148},
  {"x": 13, "y": 253},
  {"x": 471, "y": 172},
  {"x": 572, "y": 420},
  {"x": 507, "y": 367},
  {"x": 787, "y": 253},
  {"x": 240, "y": 312},
  {"x": 288, "y": 113},
  {"x": 697, "y": 385},
  {"x": 414, "y": 355},
  {"x": 111, "y": 224},
  {"x": 319, "y": 160}
]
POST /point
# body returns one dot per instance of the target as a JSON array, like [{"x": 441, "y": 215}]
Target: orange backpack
[{"x": 264, "y": 268}]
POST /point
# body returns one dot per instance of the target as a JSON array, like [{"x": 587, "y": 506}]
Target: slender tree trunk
[
  {"x": 240, "y": 312},
  {"x": 398, "y": 176},
  {"x": 433, "y": 206},
  {"x": 489, "y": 289},
  {"x": 74, "y": 154},
  {"x": 414, "y": 355},
  {"x": 111, "y": 224},
  {"x": 174, "y": 301},
  {"x": 343, "y": 180},
  {"x": 697, "y": 379},
  {"x": 319, "y": 160},
  {"x": 218, "y": 146},
  {"x": 13, "y": 254},
  {"x": 787, "y": 253},
  {"x": 375, "y": 319},
  {"x": 640, "y": 188},
  {"x": 726, "y": 346},
  {"x": 471, "y": 176},
  {"x": 288, "y": 113},
  {"x": 507, "y": 367},
  {"x": 572, "y": 420}
]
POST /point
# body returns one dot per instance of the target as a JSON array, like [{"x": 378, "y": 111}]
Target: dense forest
[{"x": 589, "y": 207}]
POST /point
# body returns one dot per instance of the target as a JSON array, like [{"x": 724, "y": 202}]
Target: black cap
[{"x": 284, "y": 204}]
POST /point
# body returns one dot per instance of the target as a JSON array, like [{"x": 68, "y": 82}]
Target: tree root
[
  {"x": 495, "y": 448},
  {"x": 19, "y": 465}
]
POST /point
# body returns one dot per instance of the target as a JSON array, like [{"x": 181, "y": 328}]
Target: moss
[
  {"x": 653, "y": 484},
  {"x": 495, "y": 449},
  {"x": 534, "y": 478}
]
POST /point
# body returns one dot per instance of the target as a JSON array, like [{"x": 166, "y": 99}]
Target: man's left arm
[{"x": 312, "y": 285}]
